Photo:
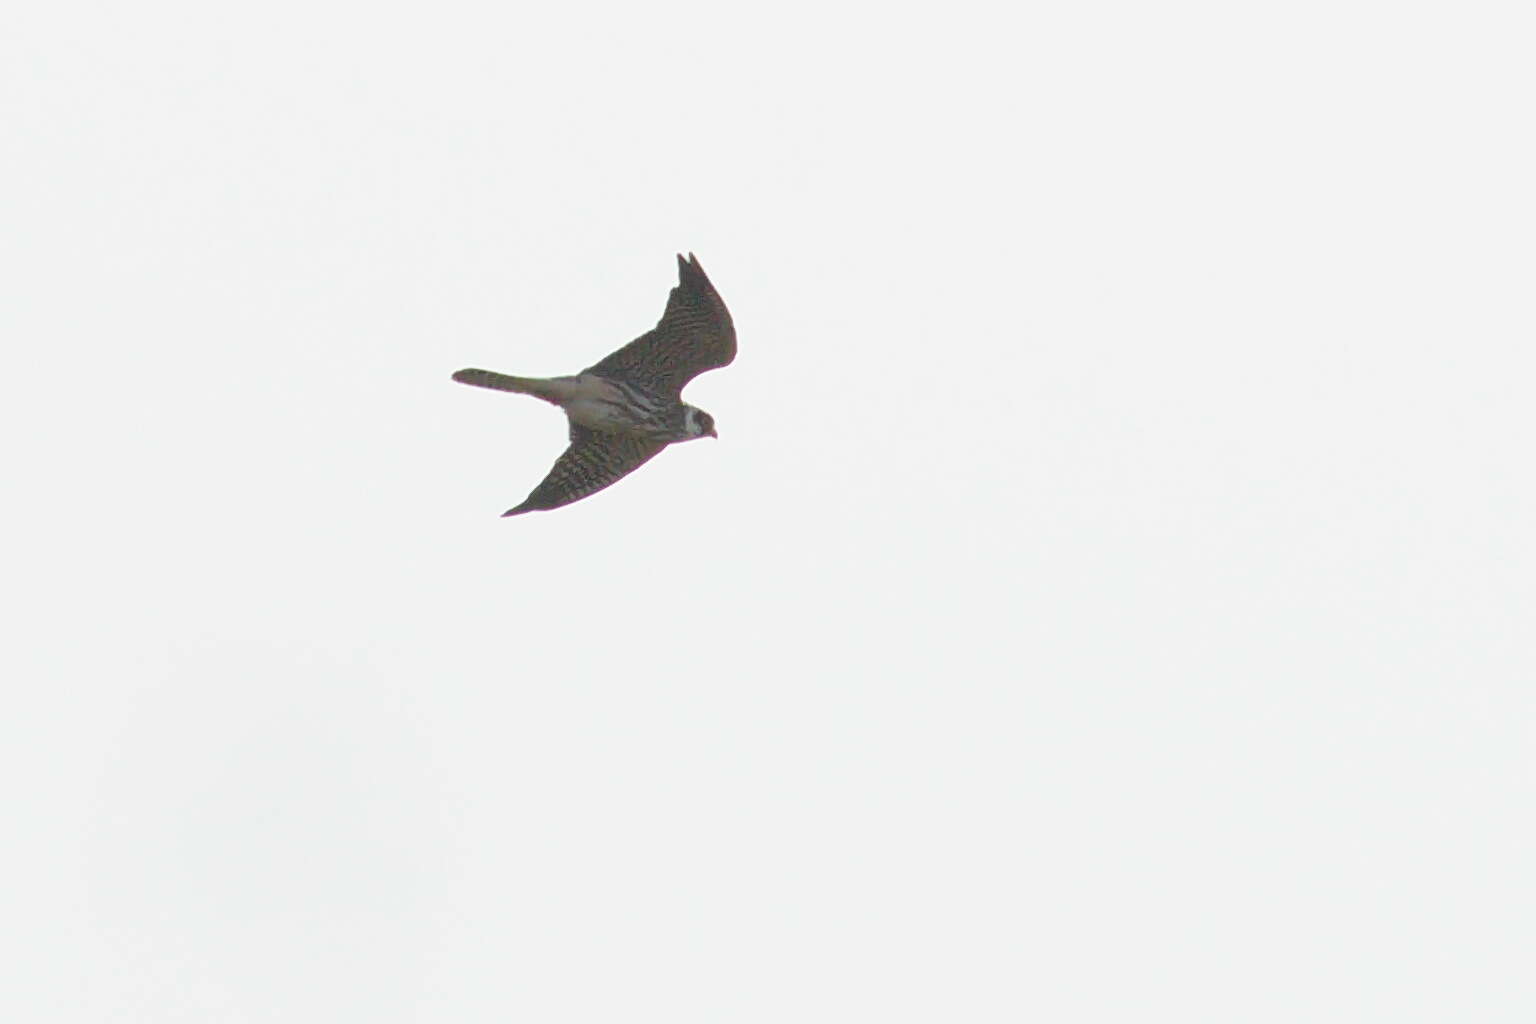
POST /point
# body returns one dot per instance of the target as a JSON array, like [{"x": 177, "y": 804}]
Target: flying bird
[{"x": 627, "y": 407}]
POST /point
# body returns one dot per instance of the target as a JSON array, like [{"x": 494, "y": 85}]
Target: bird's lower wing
[{"x": 593, "y": 461}]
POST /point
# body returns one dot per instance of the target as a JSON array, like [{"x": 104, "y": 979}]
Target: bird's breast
[{"x": 602, "y": 404}]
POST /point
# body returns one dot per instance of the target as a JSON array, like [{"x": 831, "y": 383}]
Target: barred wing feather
[
  {"x": 593, "y": 461},
  {"x": 694, "y": 334}
]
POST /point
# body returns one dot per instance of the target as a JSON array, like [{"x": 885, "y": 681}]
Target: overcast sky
[{"x": 1109, "y": 598}]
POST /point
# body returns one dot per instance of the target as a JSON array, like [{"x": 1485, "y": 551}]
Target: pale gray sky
[{"x": 1109, "y": 599}]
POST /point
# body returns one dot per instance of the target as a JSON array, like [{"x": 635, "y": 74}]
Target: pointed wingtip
[
  {"x": 690, "y": 268},
  {"x": 515, "y": 511}
]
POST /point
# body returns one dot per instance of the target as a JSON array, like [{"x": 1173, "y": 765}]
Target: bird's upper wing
[
  {"x": 593, "y": 461},
  {"x": 695, "y": 334}
]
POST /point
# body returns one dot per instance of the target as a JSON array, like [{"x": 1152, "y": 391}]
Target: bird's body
[
  {"x": 607, "y": 406},
  {"x": 628, "y": 407}
]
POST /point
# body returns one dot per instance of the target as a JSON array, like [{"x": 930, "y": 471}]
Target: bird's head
[{"x": 699, "y": 423}]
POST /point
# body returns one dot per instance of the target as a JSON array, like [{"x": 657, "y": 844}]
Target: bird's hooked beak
[{"x": 713, "y": 434}]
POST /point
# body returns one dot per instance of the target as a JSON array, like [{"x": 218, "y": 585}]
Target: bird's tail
[{"x": 539, "y": 387}]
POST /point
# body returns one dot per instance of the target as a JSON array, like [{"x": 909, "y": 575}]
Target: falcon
[{"x": 626, "y": 408}]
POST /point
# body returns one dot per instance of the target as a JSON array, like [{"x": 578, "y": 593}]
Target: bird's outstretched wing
[
  {"x": 593, "y": 461},
  {"x": 694, "y": 334}
]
